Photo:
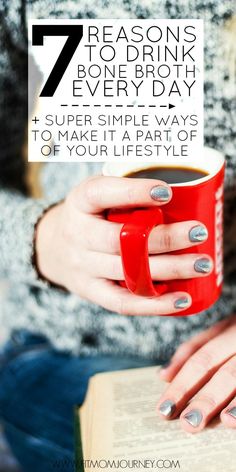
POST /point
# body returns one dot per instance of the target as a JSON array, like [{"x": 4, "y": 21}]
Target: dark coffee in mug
[{"x": 170, "y": 175}]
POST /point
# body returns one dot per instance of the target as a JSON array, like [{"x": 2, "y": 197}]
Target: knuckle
[
  {"x": 232, "y": 372},
  {"x": 176, "y": 272},
  {"x": 112, "y": 240},
  {"x": 87, "y": 237},
  {"x": 122, "y": 306},
  {"x": 116, "y": 267},
  {"x": 91, "y": 190},
  {"x": 206, "y": 398},
  {"x": 202, "y": 360},
  {"x": 166, "y": 241},
  {"x": 229, "y": 369},
  {"x": 131, "y": 194}
]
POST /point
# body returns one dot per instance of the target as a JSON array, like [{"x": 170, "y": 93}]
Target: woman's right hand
[{"x": 77, "y": 248}]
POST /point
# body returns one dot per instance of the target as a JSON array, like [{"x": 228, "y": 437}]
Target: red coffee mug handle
[{"x": 134, "y": 252}]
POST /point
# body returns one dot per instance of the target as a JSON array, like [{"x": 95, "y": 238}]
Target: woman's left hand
[{"x": 202, "y": 376}]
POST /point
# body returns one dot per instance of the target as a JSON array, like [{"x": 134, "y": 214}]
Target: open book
[{"x": 120, "y": 429}]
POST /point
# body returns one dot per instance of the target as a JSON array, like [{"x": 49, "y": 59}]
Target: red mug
[{"x": 201, "y": 200}]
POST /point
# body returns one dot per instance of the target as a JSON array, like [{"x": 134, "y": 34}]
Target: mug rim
[{"x": 205, "y": 163}]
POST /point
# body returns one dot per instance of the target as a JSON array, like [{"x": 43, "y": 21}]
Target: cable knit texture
[{"x": 70, "y": 323}]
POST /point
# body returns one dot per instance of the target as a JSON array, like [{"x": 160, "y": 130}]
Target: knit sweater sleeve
[
  {"x": 18, "y": 213},
  {"x": 18, "y": 217}
]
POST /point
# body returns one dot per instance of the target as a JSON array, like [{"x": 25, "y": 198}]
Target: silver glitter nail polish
[
  {"x": 193, "y": 417},
  {"x": 160, "y": 193},
  {"x": 232, "y": 412},
  {"x": 198, "y": 233},
  {"x": 181, "y": 302},
  {"x": 203, "y": 265},
  {"x": 167, "y": 408}
]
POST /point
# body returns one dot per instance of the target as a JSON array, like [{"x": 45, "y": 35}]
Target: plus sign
[{"x": 35, "y": 119}]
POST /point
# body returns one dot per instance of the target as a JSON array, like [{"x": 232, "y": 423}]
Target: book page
[{"x": 127, "y": 433}]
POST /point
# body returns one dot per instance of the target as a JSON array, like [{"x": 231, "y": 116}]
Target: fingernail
[
  {"x": 160, "y": 193},
  {"x": 232, "y": 412},
  {"x": 182, "y": 302},
  {"x": 167, "y": 408},
  {"x": 203, "y": 265},
  {"x": 193, "y": 417},
  {"x": 198, "y": 233}
]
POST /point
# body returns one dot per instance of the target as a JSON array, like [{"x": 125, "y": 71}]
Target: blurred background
[{"x": 7, "y": 462}]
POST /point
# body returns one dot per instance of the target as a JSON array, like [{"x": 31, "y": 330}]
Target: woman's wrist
[{"x": 43, "y": 243}]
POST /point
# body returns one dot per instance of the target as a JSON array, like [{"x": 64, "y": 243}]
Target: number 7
[{"x": 75, "y": 34}]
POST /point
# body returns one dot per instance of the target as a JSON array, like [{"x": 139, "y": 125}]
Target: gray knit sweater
[{"x": 70, "y": 323}]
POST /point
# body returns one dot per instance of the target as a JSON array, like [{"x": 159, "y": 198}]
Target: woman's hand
[
  {"x": 202, "y": 376},
  {"x": 77, "y": 248}
]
